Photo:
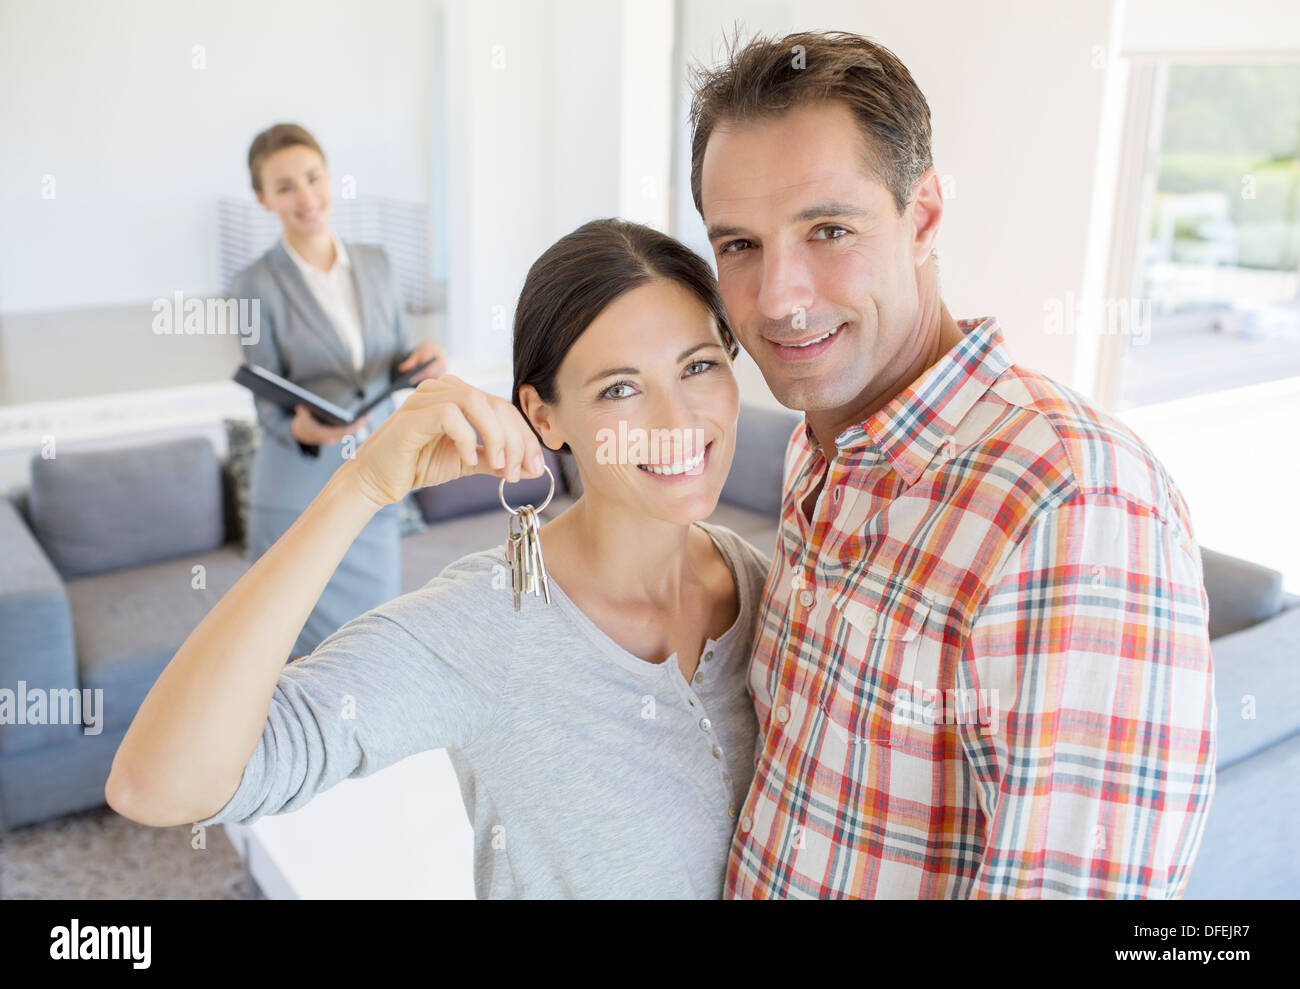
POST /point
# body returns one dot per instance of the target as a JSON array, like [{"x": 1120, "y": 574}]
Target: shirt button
[
  {"x": 731, "y": 812},
  {"x": 708, "y": 655},
  {"x": 699, "y": 677},
  {"x": 783, "y": 714},
  {"x": 746, "y": 824},
  {"x": 717, "y": 754},
  {"x": 835, "y": 495},
  {"x": 806, "y": 598},
  {"x": 705, "y": 724}
]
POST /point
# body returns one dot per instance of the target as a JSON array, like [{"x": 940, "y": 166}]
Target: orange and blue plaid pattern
[{"x": 983, "y": 668}]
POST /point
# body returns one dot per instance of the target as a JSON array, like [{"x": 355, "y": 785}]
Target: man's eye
[
  {"x": 734, "y": 246},
  {"x": 822, "y": 230}
]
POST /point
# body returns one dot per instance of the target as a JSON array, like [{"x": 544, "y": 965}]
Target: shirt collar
[
  {"x": 342, "y": 260},
  {"x": 918, "y": 423}
]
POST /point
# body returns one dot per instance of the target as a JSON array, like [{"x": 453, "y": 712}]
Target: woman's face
[
  {"x": 647, "y": 401},
  {"x": 296, "y": 187}
]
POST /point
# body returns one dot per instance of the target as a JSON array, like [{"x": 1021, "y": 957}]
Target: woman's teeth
[{"x": 679, "y": 468}]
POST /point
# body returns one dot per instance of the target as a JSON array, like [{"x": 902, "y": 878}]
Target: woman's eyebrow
[{"x": 608, "y": 372}]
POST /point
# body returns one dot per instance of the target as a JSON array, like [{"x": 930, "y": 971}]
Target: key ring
[{"x": 501, "y": 493}]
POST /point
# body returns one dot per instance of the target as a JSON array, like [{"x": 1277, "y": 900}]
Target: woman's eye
[
  {"x": 700, "y": 364},
  {"x": 822, "y": 230},
  {"x": 607, "y": 393}
]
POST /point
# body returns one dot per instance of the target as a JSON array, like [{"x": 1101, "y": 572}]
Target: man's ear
[
  {"x": 926, "y": 211},
  {"x": 540, "y": 415}
]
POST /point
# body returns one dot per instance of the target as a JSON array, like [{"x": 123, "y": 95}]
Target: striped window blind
[{"x": 246, "y": 230}]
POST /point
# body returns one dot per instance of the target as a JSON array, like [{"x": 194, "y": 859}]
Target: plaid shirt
[{"x": 983, "y": 668}]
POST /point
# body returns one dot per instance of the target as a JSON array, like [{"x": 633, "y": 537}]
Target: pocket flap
[{"x": 884, "y": 606}]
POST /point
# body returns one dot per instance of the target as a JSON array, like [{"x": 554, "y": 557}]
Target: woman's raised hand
[{"x": 430, "y": 440}]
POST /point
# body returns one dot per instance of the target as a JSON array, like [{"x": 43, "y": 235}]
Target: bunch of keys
[{"x": 524, "y": 547}]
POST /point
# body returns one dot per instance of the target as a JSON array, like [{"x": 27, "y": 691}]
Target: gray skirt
[{"x": 283, "y": 483}]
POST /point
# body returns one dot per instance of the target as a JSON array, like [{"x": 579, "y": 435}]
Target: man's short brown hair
[
  {"x": 769, "y": 76},
  {"x": 273, "y": 139}
]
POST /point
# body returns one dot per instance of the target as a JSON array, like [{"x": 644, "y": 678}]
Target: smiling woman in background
[{"x": 332, "y": 321}]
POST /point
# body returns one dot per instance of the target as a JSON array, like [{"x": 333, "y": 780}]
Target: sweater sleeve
[{"x": 419, "y": 672}]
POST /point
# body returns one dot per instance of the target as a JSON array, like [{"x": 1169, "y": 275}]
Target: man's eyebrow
[
  {"x": 609, "y": 372},
  {"x": 830, "y": 209},
  {"x": 814, "y": 212}
]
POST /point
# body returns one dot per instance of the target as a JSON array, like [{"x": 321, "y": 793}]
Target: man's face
[{"x": 808, "y": 243}]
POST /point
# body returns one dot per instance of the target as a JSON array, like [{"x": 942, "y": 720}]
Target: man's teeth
[
  {"x": 679, "y": 468},
  {"x": 809, "y": 343}
]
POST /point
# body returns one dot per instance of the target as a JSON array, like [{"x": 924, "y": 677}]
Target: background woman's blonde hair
[{"x": 274, "y": 139}]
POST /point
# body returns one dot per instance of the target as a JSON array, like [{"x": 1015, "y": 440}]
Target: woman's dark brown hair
[
  {"x": 580, "y": 275},
  {"x": 273, "y": 139}
]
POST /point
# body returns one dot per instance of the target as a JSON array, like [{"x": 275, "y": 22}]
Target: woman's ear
[{"x": 540, "y": 415}]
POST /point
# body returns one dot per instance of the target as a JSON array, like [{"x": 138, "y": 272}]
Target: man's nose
[{"x": 786, "y": 287}]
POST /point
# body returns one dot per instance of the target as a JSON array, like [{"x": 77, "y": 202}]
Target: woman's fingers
[
  {"x": 509, "y": 448},
  {"x": 456, "y": 428}
]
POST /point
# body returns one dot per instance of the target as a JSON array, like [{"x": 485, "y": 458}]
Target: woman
[
  {"x": 332, "y": 321},
  {"x": 604, "y": 741}
]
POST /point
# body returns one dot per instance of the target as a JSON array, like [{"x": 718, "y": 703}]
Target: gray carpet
[{"x": 100, "y": 855}]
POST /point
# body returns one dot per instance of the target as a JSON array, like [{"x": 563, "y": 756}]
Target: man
[{"x": 982, "y": 666}]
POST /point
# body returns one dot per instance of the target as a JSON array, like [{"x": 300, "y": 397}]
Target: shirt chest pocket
[{"x": 885, "y": 661}]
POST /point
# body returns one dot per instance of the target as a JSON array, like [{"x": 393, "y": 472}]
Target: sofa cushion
[
  {"x": 100, "y": 510},
  {"x": 480, "y": 492},
  {"x": 762, "y": 435},
  {"x": 1241, "y": 593},
  {"x": 1256, "y": 686},
  {"x": 243, "y": 436},
  {"x": 130, "y": 623}
]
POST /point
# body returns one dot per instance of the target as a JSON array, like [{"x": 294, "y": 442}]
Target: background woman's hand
[
  {"x": 430, "y": 440},
  {"x": 422, "y": 353},
  {"x": 308, "y": 429}
]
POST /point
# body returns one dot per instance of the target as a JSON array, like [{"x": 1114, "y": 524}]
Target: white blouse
[{"x": 337, "y": 294}]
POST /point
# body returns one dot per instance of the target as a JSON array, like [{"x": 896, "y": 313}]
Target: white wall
[
  {"x": 1015, "y": 105},
  {"x": 538, "y": 95},
  {"x": 1194, "y": 27},
  {"x": 104, "y": 97}
]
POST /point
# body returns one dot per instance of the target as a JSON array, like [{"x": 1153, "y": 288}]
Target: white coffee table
[{"x": 401, "y": 833}]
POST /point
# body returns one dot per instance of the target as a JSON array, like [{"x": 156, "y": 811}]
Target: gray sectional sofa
[{"x": 112, "y": 557}]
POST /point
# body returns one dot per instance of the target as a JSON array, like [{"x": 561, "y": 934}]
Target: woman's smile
[{"x": 681, "y": 470}]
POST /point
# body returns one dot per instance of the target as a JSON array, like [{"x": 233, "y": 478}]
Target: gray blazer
[{"x": 298, "y": 341}]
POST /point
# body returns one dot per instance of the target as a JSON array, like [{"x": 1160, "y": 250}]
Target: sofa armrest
[
  {"x": 1241, "y": 593},
  {"x": 37, "y": 651}
]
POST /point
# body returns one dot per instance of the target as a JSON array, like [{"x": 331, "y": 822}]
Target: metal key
[{"x": 524, "y": 549}]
